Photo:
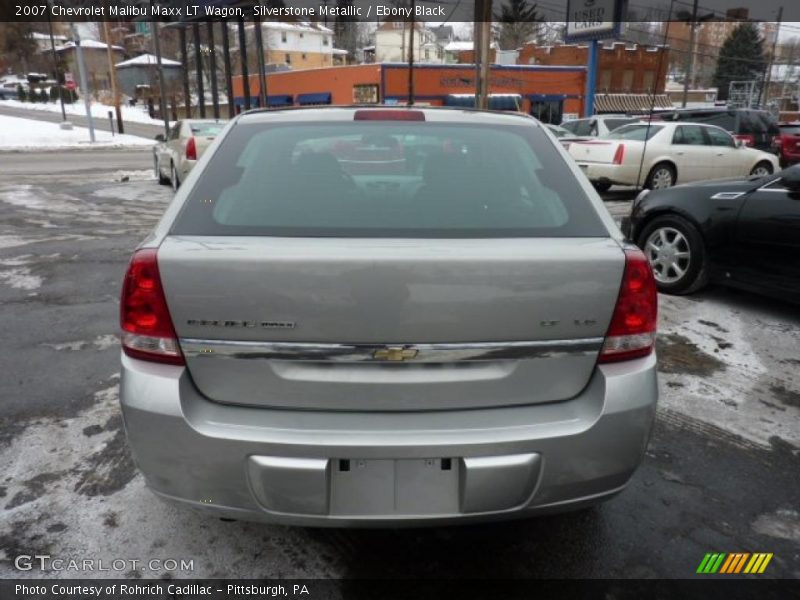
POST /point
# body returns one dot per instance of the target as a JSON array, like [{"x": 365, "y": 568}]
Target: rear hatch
[
  {"x": 476, "y": 273},
  {"x": 509, "y": 321}
]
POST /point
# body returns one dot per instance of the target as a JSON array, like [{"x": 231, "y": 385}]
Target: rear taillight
[
  {"x": 632, "y": 333},
  {"x": 147, "y": 331},
  {"x": 191, "y": 149},
  {"x": 619, "y": 155},
  {"x": 747, "y": 140},
  {"x": 391, "y": 114}
]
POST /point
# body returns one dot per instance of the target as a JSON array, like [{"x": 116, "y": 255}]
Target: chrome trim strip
[{"x": 426, "y": 353}]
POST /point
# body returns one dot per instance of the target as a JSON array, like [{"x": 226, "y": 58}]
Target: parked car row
[{"x": 660, "y": 154}]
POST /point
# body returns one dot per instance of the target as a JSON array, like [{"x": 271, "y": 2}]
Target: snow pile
[
  {"x": 25, "y": 134},
  {"x": 130, "y": 114}
]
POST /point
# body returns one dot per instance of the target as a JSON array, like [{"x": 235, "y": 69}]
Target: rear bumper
[
  {"x": 289, "y": 467},
  {"x": 608, "y": 173}
]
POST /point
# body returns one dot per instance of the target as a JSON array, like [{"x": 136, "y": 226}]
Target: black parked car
[
  {"x": 756, "y": 128},
  {"x": 743, "y": 233}
]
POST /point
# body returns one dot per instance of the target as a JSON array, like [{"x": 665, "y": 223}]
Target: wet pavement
[{"x": 720, "y": 473}]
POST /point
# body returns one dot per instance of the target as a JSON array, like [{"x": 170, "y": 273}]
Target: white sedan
[
  {"x": 175, "y": 156},
  {"x": 659, "y": 155}
]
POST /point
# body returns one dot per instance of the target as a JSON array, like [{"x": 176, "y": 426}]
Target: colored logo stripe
[
  {"x": 758, "y": 563},
  {"x": 711, "y": 563},
  {"x": 720, "y": 562},
  {"x": 735, "y": 562}
]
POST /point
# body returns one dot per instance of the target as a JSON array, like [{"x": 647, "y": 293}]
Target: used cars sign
[{"x": 593, "y": 19}]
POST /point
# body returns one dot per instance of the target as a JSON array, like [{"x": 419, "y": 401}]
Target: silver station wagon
[{"x": 387, "y": 316}]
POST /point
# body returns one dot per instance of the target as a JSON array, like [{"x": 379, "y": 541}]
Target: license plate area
[{"x": 426, "y": 486}]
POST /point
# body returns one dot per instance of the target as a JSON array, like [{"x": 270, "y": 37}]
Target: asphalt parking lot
[{"x": 720, "y": 473}]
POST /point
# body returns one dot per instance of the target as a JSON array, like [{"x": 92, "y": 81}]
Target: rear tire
[
  {"x": 762, "y": 169},
  {"x": 675, "y": 250},
  {"x": 176, "y": 183},
  {"x": 161, "y": 179},
  {"x": 661, "y": 176},
  {"x": 601, "y": 186}
]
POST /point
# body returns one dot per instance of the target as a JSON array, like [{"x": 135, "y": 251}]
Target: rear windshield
[
  {"x": 582, "y": 127},
  {"x": 638, "y": 132},
  {"x": 388, "y": 179},
  {"x": 559, "y": 132},
  {"x": 206, "y": 129},
  {"x": 790, "y": 129},
  {"x": 612, "y": 124}
]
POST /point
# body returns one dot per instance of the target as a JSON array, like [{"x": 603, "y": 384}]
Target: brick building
[{"x": 622, "y": 68}]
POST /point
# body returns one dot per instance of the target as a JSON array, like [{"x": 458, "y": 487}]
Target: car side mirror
[{"x": 160, "y": 138}]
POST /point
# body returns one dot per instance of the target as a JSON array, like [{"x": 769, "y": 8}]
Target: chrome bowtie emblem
[{"x": 395, "y": 353}]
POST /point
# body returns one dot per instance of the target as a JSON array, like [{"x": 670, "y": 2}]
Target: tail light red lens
[
  {"x": 747, "y": 140},
  {"x": 632, "y": 332},
  {"x": 389, "y": 115},
  {"x": 191, "y": 149},
  {"x": 619, "y": 155},
  {"x": 147, "y": 331}
]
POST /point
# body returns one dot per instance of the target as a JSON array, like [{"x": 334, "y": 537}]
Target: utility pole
[
  {"x": 112, "y": 73},
  {"x": 768, "y": 77},
  {"x": 84, "y": 84},
  {"x": 411, "y": 57},
  {"x": 482, "y": 96},
  {"x": 689, "y": 64}
]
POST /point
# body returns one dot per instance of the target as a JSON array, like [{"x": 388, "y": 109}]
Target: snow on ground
[
  {"x": 26, "y": 134},
  {"x": 729, "y": 368},
  {"x": 133, "y": 114}
]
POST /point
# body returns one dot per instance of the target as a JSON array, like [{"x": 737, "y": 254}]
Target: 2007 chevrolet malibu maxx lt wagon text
[{"x": 387, "y": 316}]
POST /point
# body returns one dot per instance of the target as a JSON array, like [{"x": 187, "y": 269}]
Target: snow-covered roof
[
  {"x": 43, "y": 36},
  {"x": 87, "y": 44},
  {"x": 303, "y": 26},
  {"x": 148, "y": 59}
]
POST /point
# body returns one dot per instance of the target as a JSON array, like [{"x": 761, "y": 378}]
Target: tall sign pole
[
  {"x": 162, "y": 98},
  {"x": 55, "y": 68},
  {"x": 112, "y": 73},
  {"x": 84, "y": 84},
  {"x": 591, "y": 76},
  {"x": 592, "y": 21}
]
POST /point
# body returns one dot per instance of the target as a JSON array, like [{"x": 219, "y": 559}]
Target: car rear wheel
[
  {"x": 661, "y": 176},
  {"x": 601, "y": 186},
  {"x": 675, "y": 250},
  {"x": 161, "y": 179},
  {"x": 762, "y": 169},
  {"x": 176, "y": 183}
]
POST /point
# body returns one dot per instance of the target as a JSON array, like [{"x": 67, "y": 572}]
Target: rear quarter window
[{"x": 388, "y": 179}]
